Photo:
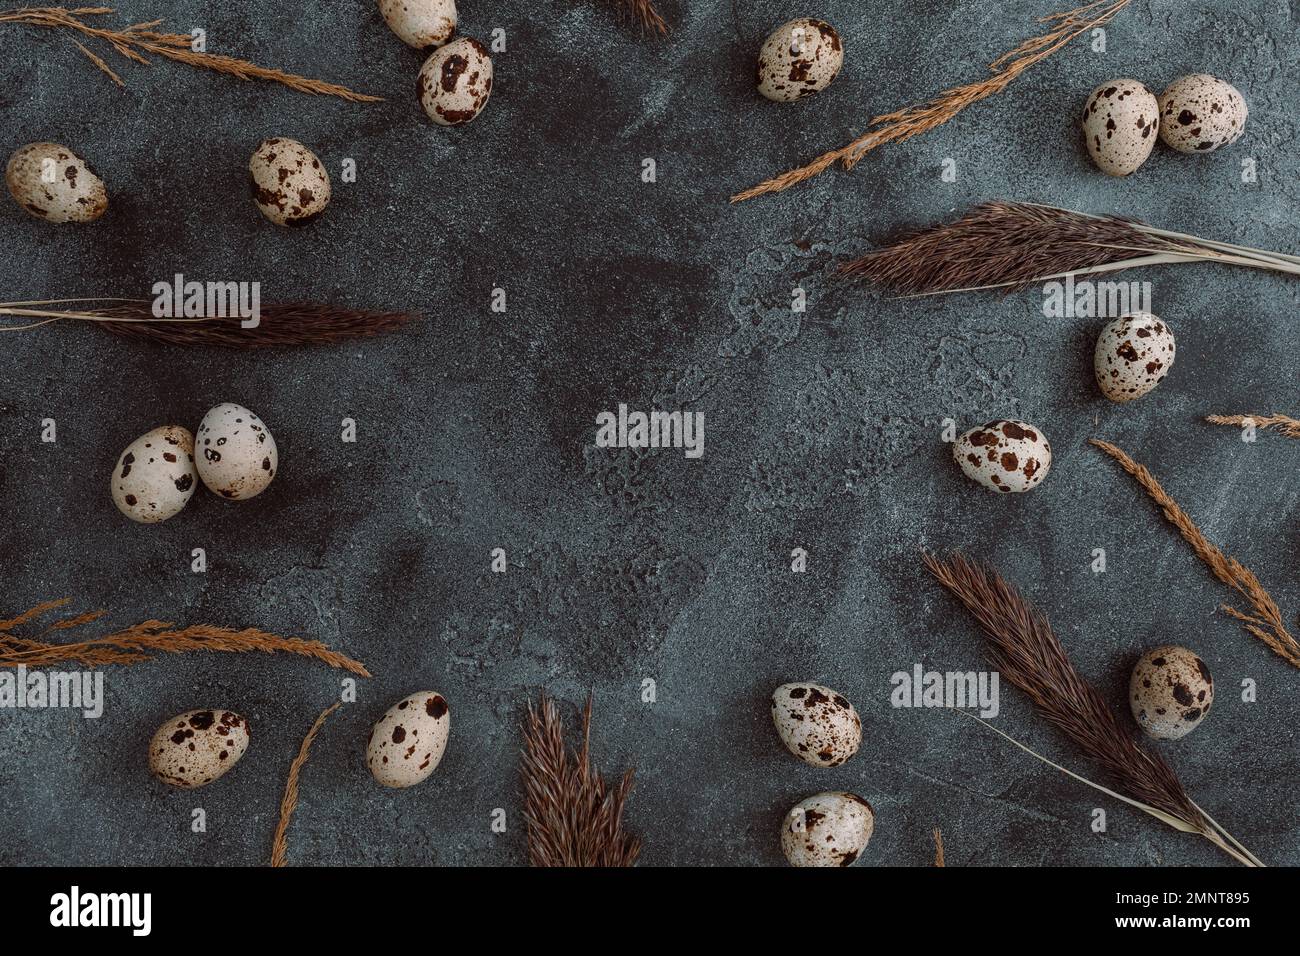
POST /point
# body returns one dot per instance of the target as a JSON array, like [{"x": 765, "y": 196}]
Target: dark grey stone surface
[{"x": 476, "y": 432}]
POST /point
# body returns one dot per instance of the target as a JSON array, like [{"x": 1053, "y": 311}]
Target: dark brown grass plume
[
  {"x": 143, "y": 641},
  {"x": 902, "y": 125},
  {"x": 134, "y": 41},
  {"x": 1023, "y": 648},
  {"x": 1266, "y": 623},
  {"x": 1012, "y": 245},
  {"x": 574, "y": 818},
  {"x": 280, "y": 326},
  {"x": 644, "y": 13},
  {"x": 289, "y": 802},
  {"x": 938, "y": 848}
]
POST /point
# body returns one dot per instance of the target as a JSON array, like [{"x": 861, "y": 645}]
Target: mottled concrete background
[{"x": 476, "y": 432}]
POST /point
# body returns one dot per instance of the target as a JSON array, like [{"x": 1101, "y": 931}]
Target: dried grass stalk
[
  {"x": 902, "y": 125},
  {"x": 644, "y": 12},
  {"x": 134, "y": 41},
  {"x": 1290, "y": 427},
  {"x": 938, "y": 847},
  {"x": 280, "y": 326},
  {"x": 574, "y": 818},
  {"x": 1023, "y": 648},
  {"x": 1013, "y": 245},
  {"x": 289, "y": 802},
  {"x": 1266, "y": 622},
  {"x": 142, "y": 641}
]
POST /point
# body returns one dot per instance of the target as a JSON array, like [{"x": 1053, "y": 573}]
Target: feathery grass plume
[
  {"x": 938, "y": 847},
  {"x": 902, "y": 125},
  {"x": 1266, "y": 622},
  {"x": 133, "y": 41},
  {"x": 279, "y": 326},
  {"x": 1025, "y": 651},
  {"x": 1290, "y": 427},
  {"x": 644, "y": 12},
  {"x": 574, "y": 818},
  {"x": 143, "y": 641},
  {"x": 289, "y": 802},
  {"x": 1013, "y": 245}
]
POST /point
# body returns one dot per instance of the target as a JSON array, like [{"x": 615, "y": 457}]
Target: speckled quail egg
[
  {"x": 288, "y": 183},
  {"x": 1134, "y": 352},
  {"x": 408, "y": 741},
  {"x": 455, "y": 82},
  {"x": 1004, "y": 456},
  {"x": 234, "y": 452},
  {"x": 155, "y": 477},
  {"x": 53, "y": 183},
  {"x": 799, "y": 58},
  {"x": 816, "y": 724},
  {"x": 827, "y": 829},
  {"x": 1201, "y": 113},
  {"x": 1121, "y": 124},
  {"x": 197, "y": 747},
  {"x": 420, "y": 23},
  {"x": 1170, "y": 692}
]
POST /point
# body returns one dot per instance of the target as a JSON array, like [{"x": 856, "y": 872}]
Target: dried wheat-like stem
[
  {"x": 134, "y": 41},
  {"x": 644, "y": 12},
  {"x": 280, "y": 845},
  {"x": 141, "y": 641},
  {"x": 1290, "y": 427},
  {"x": 1025, "y": 651},
  {"x": 574, "y": 818},
  {"x": 902, "y": 125},
  {"x": 938, "y": 847},
  {"x": 1266, "y": 623},
  {"x": 1012, "y": 245},
  {"x": 279, "y": 326}
]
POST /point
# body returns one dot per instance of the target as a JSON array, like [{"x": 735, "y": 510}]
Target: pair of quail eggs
[{"x": 821, "y": 728}]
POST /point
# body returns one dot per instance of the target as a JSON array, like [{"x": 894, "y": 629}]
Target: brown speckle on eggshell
[
  {"x": 798, "y": 59},
  {"x": 420, "y": 23},
  {"x": 816, "y": 724},
  {"x": 1170, "y": 692},
  {"x": 827, "y": 829},
  {"x": 288, "y": 182},
  {"x": 1201, "y": 113},
  {"x": 455, "y": 82},
  {"x": 155, "y": 477},
  {"x": 1134, "y": 353},
  {"x": 1008, "y": 457},
  {"x": 234, "y": 452},
  {"x": 53, "y": 183},
  {"x": 197, "y": 747},
  {"x": 1121, "y": 123},
  {"x": 407, "y": 743}
]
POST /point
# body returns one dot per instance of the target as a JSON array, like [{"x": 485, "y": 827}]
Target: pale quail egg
[
  {"x": 197, "y": 747},
  {"x": 1170, "y": 692},
  {"x": 289, "y": 184},
  {"x": 1004, "y": 456},
  {"x": 420, "y": 23},
  {"x": 234, "y": 452},
  {"x": 827, "y": 829},
  {"x": 799, "y": 58},
  {"x": 53, "y": 183},
  {"x": 455, "y": 82},
  {"x": 407, "y": 743},
  {"x": 1134, "y": 352},
  {"x": 1200, "y": 113},
  {"x": 155, "y": 477},
  {"x": 816, "y": 724},
  {"x": 1121, "y": 124}
]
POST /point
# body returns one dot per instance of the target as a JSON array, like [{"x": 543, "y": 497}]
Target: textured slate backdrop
[{"x": 476, "y": 430}]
